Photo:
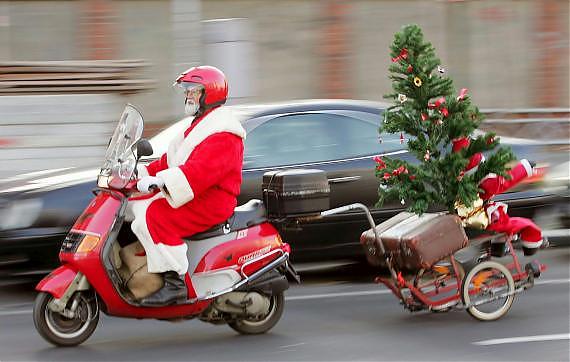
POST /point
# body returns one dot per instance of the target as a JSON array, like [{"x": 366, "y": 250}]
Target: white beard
[{"x": 191, "y": 108}]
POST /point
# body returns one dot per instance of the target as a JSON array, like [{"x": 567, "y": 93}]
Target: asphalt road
[{"x": 336, "y": 315}]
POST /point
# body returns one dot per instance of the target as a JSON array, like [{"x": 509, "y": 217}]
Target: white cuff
[
  {"x": 142, "y": 171},
  {"x": 527, "y": 167},
  {"x": 178, "y": 190},
  {"x": 532, "y": 244}
]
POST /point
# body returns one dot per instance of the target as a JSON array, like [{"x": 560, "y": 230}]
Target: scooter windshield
[{"x": 120, "y": 158}]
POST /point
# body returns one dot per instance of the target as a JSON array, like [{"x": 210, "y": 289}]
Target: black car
[{"x": 337, "y": 136}]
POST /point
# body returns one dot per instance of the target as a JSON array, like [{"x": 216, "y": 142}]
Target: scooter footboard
[{"x": 57, "y": 282}]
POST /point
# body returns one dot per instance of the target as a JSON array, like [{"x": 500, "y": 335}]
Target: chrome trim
[
  {"x": 339, "y": 180},
  {"x": 325, "y": 162},
  {"x": 257, "y": 259},
  {"x": 275, "y": 263},
  {"x": 80, "y": 282}
]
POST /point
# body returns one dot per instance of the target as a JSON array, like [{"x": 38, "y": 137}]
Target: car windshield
[{"x": 120, "y": 159}]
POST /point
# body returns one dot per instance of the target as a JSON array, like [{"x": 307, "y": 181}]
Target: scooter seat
[{"x": 249, "y": 214}]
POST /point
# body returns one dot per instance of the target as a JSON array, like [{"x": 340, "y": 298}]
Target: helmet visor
[{"x": 190, "y": 89}]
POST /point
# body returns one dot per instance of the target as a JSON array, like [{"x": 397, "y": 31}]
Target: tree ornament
[
  {"x": 412, "y": 177},
  {"x": 460, "y": 177},
  {"x": 440, "y": 69},
  {"x": 474, "y": 162},
  {"x": 417, "y": 82},
  {"x": 424, "y": 117},
  {"x": 403, "y": 202},
  {"x": 403, "y": 55},
  {"x": 387, "y": 176},
  {"x": 402, "y": 98},
  {"x": 473, "y": 216},
  {"x": 401, "y": 138},
  {"x": 400, "y": 170},
  {"x": 490, "y": 140},
  {"x": 444, "y": 111},
  {"x": 462, "y": 94},
  {"x": 439, "y": 122},
  {"x": 437, "y": 103},
  {"x": 460, "y": 143},
  {"x": 427, "y": 156},
  {"x": 409, "y": 69},
  {"x": 380, "y": 164}
]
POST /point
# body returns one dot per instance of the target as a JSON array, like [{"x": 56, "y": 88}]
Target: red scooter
[{"x": 237, "y": 271}]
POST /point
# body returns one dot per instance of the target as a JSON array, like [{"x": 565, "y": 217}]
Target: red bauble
[{"x": 460, "y": 143}]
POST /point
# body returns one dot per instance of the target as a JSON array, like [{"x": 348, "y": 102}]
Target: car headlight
[{"x": 20, "y": 214}]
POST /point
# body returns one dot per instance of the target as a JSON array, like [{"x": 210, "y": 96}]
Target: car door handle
[{"x": 339, "y": 180}]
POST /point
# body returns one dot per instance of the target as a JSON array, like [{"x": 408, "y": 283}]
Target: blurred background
[{"x": 68, "y": 67}]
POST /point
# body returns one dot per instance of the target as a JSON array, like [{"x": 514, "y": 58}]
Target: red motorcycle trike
[
  {"x": 237, "y": 275},
  {"x": 486, "y": 288}
]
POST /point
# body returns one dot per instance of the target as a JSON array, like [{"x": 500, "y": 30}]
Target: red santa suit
[
  {"x": 202, "y": 177},
  {"x": 499, "y": 220}
]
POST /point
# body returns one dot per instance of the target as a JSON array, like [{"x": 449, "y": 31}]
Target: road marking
[
  {"x": 385, "y": 291},
  {"x": 551, "y": 281},
  {"x": 293, "y": 345},
  {"x": 334, "y": 295},
  {"x": 15, "y": 312},
  {"x": 313, "y": 296},
  {"x": 544, "y": 337}
]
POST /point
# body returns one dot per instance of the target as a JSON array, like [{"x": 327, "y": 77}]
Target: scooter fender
[{"x": 57, "y": 282}]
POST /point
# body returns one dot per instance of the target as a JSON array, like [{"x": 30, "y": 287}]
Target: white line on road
[
  {"x": 545, "y": 337},
  {"x": 386, "y": 291},
  {"x": 551, "y": 281},
  {"x": 293, "y": 345},
  {"x": 15, "y": 312},
  {"x": 315, "y": 296},
  {"x": 334, "y": 295}
]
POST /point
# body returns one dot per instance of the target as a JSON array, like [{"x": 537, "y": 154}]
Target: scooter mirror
[{"x": 144, "y": 148}]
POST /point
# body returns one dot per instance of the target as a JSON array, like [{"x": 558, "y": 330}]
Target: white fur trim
[
  {"x": 531, "y": 244},
  {"x": 494, "y": 207},
  {"x": 142, "y": 171},
  {"x": 179, "y": 190},
  {"x": 527, "y": 167},
  {"x": 160, "y": 257},
  {"x": 219, "y": 120}
]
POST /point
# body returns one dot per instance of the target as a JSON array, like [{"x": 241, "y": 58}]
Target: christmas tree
[{"x": 439, "y": 126}]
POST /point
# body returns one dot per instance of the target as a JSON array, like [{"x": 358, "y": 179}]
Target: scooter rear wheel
[
  {"x": 264, "y": 324},
  {"x": 60, "y": 330}
]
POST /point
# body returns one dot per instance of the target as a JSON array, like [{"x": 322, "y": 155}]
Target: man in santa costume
[{"x": 199, "y": 179}]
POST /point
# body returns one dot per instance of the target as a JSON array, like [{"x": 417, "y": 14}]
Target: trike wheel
[
  {"x": 60, "y": 330},
  {"x": 440, "y": 281},
  {"x": 264, "y": 323},
  {"x": 488, "y": 291}
]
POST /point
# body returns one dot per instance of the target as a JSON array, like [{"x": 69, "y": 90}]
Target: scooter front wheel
[
  {"x": 265, "y": 323},
  {"x": 60, "y": 330}
]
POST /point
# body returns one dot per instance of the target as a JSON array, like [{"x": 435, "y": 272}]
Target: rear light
[{"x": 286, "y": 248}]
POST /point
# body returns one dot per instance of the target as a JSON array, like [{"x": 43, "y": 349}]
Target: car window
[{"x": 315, "y": 137}]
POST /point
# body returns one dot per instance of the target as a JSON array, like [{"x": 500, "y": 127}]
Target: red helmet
[{"x": 212, "y": 80}]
